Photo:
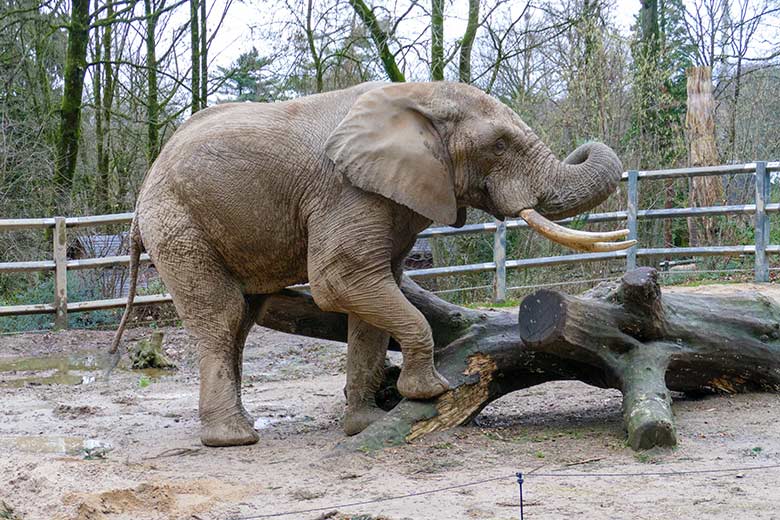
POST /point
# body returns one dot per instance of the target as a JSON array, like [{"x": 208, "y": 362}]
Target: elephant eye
[{"x": 499, "y": 147}]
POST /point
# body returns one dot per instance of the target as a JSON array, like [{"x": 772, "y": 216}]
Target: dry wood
[{"x": 700, "y": 130}]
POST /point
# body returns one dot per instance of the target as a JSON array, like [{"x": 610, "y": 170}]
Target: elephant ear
[{"x": 388, "y": 145}]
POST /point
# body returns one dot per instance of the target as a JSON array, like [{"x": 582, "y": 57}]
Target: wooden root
[{"x": 627, "y": 337}]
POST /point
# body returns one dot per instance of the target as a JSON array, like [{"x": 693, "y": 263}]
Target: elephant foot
[
  {"x": 235, "y": 431},
  {"x": 421, "y": 384},
  {"x": 357, "y": 420}
]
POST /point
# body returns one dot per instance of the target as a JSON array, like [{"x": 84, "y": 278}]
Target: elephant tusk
[{"x": 579, "y": 240}]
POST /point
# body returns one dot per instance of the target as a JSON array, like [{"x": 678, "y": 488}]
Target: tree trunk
[
  {"x": 152, "y": 102},
  {"x": 624, "y": 336},
  {"x": 70, "y": 108},
  {"x": 700, "y": 127},
  {"x": 437, "y": 40},
  {"x": 107, "y": 107},
  {"x": 464, "y": 65},
  {"x": 195, "y": 43}
]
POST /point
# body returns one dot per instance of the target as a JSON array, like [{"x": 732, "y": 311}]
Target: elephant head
[{"x": 439, "y": 147}]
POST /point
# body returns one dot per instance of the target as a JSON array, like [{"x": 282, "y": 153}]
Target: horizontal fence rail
[{"x": 60, "y": 264}]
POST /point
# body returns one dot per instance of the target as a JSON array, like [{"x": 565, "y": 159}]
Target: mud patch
[{"x": 66, "y": 411}]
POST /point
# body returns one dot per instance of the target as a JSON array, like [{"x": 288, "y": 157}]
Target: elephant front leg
[
  {"x": 366, "y": 351},
  {"x": 380, "y": 303}
]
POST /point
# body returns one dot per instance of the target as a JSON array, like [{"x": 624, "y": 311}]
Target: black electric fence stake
[{"x": 520, "y": 484}]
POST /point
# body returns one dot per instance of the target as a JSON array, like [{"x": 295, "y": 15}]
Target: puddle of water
[
  {"x": 55, "y": 445},
  {"x": 59, "y": 370}
]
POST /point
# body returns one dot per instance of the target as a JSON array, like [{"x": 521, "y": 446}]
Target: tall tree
[{"x": 70, "y": 108}]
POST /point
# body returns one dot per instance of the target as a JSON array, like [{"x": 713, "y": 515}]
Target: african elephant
[{"x": 331, "y": 189}]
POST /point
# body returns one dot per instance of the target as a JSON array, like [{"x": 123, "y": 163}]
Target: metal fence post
[
  {"x": 499, "y": 258},
  {"x": 633, "y": 203},
  {"x": 60, "y": 273},
  {"x": 762, "y": 222}
]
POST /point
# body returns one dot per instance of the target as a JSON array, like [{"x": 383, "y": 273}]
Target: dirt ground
[{"x": 75, "y": 447}]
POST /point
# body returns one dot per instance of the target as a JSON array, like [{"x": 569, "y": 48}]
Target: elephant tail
[{"x": 136, "y": 245}]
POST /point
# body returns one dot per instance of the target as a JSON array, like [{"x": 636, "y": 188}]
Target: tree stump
[{"x": 626, "y": 336}]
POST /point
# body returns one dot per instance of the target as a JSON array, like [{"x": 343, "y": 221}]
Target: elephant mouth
[{"x": 594, "y": 242}]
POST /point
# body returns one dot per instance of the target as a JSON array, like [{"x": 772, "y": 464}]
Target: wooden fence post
[
  {"x": 761, "y": 222},
  {"x": 60, "y": 273},
  {"x": 633, "y": 203},
  {"x": 499, "y": 258}
]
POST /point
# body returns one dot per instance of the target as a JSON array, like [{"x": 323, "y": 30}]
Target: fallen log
[{"x": 625, "y": 336}]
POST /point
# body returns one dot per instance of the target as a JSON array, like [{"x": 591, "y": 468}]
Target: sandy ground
[{"x": 129, "y": 448}]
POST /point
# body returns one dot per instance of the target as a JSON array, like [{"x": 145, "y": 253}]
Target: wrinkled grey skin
[{"x": 331, "y": 189}]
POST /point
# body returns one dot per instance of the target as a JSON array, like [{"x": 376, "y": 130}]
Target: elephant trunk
[{"x": 580, "y": 182}]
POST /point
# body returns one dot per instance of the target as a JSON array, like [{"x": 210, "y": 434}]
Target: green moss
[{"x": 148, "y": 353}]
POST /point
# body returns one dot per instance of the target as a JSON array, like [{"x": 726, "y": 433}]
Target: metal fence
[{"x": 499, "y": 266}]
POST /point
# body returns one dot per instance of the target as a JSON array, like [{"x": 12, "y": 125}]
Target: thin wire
[
  {"x": 375, "y": 500},
  {"x": 513, "y": 476}
]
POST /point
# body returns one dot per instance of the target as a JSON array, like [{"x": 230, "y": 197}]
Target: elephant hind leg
[
  {"x": 224, "y": 420},
  {"x": 218, "y": 316}
]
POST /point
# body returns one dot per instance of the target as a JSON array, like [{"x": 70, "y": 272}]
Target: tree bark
[
  {"x": 625, "y": 336},
  {"x": 70, "y": 108},
  {"x": 195, "y": 43}
]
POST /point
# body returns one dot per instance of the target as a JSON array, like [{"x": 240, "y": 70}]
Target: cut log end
[
  {"x": 652, "y": 434},
  {"x": 542, "y": 318}
]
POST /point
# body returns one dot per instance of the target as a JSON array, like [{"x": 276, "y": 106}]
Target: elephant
[{"x": 247, "y": 199}]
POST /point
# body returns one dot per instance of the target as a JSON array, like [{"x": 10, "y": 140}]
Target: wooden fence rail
[{"x": 761, "y": 208}]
